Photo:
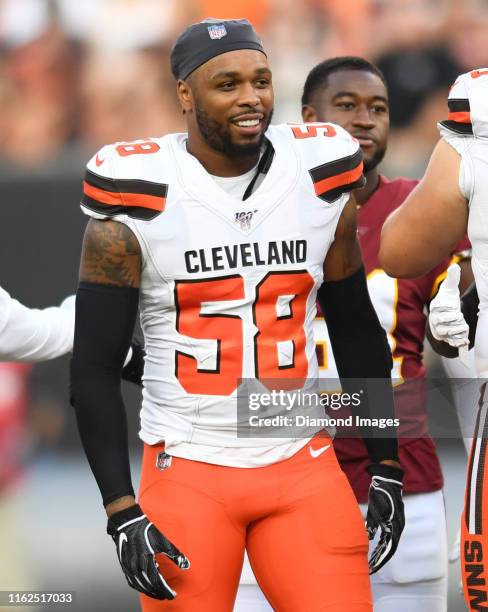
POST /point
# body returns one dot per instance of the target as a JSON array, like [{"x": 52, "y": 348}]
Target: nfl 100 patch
[{"x": 217, "y": 31}]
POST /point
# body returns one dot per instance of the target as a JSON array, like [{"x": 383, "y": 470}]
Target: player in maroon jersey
[{"x": 352, "y": 92}]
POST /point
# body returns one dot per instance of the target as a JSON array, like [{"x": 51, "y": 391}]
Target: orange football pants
[
  {"x": 298, "y": 519},
  {"x": 474, "y": 522}
]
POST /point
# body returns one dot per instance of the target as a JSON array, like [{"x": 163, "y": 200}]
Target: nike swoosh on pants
[{"x": 316, "y": 452}]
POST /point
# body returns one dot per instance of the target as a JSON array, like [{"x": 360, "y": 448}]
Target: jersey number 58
[{"x": 278, "y": 311}]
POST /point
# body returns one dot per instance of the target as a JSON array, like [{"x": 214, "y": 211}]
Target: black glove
[
  {"x": 137, "y": 540},
  {"x": 134, "y": 369},
  {"x": 385, "y": 510}
]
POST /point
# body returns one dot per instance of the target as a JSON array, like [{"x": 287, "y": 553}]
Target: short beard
[
  {"x": 218, "y": 137},
  {"x": 377, "y": 158}
]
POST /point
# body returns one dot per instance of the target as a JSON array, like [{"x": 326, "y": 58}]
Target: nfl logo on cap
[{"x": 217, "y": 31}]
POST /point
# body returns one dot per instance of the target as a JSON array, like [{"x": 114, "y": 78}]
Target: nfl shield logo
[
  {"x": 163, "y": 461},
  {"x": 217, "y": 31}
]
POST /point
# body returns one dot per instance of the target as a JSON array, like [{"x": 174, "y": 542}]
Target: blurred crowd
[{"x": 75, "y": 75}]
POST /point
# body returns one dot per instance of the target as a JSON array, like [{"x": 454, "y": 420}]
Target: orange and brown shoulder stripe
[
  {"x": 137, "y": 198},
  {"x": 334, "y": 178},
  {"x": 459, "y": 117}
]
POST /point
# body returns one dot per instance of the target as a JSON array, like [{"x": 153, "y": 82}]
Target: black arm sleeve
[
  {"x": 469, "y": 307},
  {"x": 105, "y": 318},
  {"x": 362, "y": 356}
]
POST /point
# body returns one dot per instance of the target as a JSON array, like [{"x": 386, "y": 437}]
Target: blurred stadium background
[{"x": 77, "y": 74}]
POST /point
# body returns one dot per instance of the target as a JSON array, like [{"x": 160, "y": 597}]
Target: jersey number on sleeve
[
  {"x": 278, "y": 310},
  {"x": 312, "y": 130},
  {"x": 137, "y": 148}
]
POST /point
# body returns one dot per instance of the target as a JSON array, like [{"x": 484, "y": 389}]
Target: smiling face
[
  {"x": 357, "y": 100},
  {"x": 228, "y": 102}
]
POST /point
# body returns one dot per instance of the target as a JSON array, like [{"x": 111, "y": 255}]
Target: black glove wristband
[
  {"x": 123, "y": 516},
  {"x": 385, "y": 471}
]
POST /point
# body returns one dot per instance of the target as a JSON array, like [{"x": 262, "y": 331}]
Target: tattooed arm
[
  {"x": 111, "y": 255},
  {"x": 106, "y": 309},
  {"x": 344, "y": 256}
]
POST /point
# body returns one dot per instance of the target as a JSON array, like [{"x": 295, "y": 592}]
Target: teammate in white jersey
[
  {"x": 30, "y": 334},
  {"x": 450, "y": 199},
  {"x": 227, "y": 288},
  {"x": 33, "y": 335}
]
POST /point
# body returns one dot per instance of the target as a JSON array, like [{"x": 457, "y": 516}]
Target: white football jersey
[
  {"x": 466, "y": 129},
  {"x": 228, "y": 287}
]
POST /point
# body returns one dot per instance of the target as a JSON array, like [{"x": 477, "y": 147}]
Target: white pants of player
[{"x": 414, "y": 580}]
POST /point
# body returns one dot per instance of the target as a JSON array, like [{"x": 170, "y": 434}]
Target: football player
[
  {"x": 450, "y": 200},
  {"x": 351, "y": 92},
  {"x": 226, "y": 235}
]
